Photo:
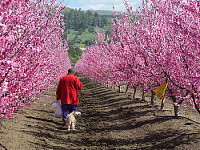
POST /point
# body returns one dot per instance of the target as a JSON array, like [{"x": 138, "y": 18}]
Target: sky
[{"x": 101, "y": 4}]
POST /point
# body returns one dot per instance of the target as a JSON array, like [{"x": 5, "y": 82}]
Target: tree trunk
[
  {"x": 195, "y": 104},
  {"x": 119, "y": 90},
  {"x": 162, "y": 104},
  {"x": 143, "y": 95},
  {"x": 104, "y": 84},
  {"x": 134, "y": 92},
  {"x": 152, "y": 97},
  {"x": 107, "y": 84},
  {"x": 1, "y": 124},
  {"x": 114, "y": 85},
  {"x": 126, "y": 89},
  {"x": 176, "y": 110}
]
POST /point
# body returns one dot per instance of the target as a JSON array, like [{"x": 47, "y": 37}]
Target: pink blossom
[
  {"x": 33, "y": 54},
  {"x": 160, "y": 44}
]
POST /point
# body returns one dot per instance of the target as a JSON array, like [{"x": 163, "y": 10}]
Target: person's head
[{"x": 70, "y": 71}]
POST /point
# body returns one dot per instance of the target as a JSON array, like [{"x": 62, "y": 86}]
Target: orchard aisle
[{"x": 109, "y": 120}]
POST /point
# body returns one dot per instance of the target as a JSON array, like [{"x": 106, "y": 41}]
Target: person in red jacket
[{"x": 67, "y": 92}]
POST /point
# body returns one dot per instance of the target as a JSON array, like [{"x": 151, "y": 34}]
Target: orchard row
[
  {"x": 32, "y": 53},
  {"x": 159, "y": 44}
]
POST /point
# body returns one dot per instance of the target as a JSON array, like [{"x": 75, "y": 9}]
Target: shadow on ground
[{"x": 110, "y": 120}]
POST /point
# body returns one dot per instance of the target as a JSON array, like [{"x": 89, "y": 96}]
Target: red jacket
[{"x": 67, "y": 90}]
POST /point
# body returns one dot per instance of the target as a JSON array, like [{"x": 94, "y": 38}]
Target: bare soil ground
[{"x": 109, "y": 121}]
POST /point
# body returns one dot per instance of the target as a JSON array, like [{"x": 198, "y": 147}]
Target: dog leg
[
  {"x": 69, "y": 125},
  {"x": 73, "y": 126}
]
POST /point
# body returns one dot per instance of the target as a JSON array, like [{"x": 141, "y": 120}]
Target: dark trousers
[{"x": 67, "y": 109}]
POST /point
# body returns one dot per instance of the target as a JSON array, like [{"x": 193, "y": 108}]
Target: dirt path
[{"x": 110, "y": 120}]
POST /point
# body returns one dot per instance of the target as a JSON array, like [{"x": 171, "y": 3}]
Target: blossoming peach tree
[
  {"x": 33, "y": 54},
  {"x": 159, "y": 44}
]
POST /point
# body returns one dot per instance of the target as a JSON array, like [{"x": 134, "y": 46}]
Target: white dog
[{"x": 71, "y": 120}]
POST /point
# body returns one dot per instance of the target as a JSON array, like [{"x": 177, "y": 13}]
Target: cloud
[
  {"x": 100, "y": 2},
  {"x": 104, "y": 4},
  {"x": 108, "y": 5},
  {"x": 96, "y": 7},
  {"x": 103, "y": 7}
]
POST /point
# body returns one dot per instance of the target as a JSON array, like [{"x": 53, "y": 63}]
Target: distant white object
[{"x": 56, "y": 105}]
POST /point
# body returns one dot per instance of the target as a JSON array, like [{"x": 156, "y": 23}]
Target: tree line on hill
[
  {"x": 78, "y": 19},
  {"x": 81, "y": 21}
]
